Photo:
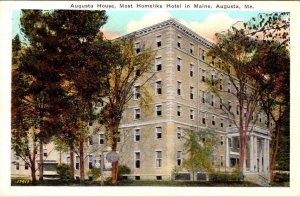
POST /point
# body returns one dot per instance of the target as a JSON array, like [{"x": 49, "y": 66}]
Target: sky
[{"x": 205, "y": 23}]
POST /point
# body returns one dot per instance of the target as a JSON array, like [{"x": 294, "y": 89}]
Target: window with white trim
[
  {"x": 158, "y": 87},
  {"x": 45, "y": 153},
  {"x": 77, "y": 163},
  {"x": 26, "y": 167},
  {"x": 212, "y": 100},
  {"x": 179, "y": 63},
  {"x": 203, "y": 75},
  {"x": 203, "y": 114},
  {"x": 118, "y": 137},
  {"x": 101, "y": 138},
  {"x": 222, "y": 122},
  {"x": 221, "y": 103},
  {"x": 229, "y": 106},
  {"x": 137, "y": 135},
  {"x": 179, "y": 88},
  {"x": 213, "y": 120},
  {"x": 158, "y": 109},
  {"x": 222, "y": 160},
  {"x": 237, "y": 109},
  {"x": 179, "y": 158},
  {"x": 203, "y": 96},
  {"x": 192, "y": 70},
  {"x": 90, "y": 161},
  {"x": 179, "y": 41},
  {"x": 203, "y": 55},
  {"x": 97, "y": 161},
  {"x": 192, "y": 114},
  {"x": 137, "y": 92},
  {"x": 179, "y": 133},
  {"x": 137, "y": 47},
  {"x": 158, "y": 65},
  {"x": 191, "y": 92},
  {"x": 17, "y": 166},
  {"x": 192, "y": 48},
  {"x": 178, "y": 110},
  {"x": 221, "y": 82},
  {"x": 222, "y": 140},
  {"x": 137, "y": 159},
  {"x": 158, "y": 132},
  {"x": 158, "y": 159},
  {"x": 229, "y": 87},
  {"x": 90, "y": 140},
  {"x": 158, "y": 41},
  {"x": 137, "y": 113}
]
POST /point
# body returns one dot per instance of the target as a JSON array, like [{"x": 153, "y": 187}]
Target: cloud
[
  {"x": 110, "y": 35},
  {"x": 212, "y": 24},
  {"x": 149, "y": 19}
]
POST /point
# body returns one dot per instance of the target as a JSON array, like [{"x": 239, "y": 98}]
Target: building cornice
[{"x": 170, "y": 23}]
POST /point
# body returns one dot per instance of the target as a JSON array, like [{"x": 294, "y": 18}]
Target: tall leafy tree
[
  {"x": 125, "y": 73},
  {"x": 198, "y": 147}
]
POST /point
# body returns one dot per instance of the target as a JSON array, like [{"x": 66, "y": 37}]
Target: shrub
[
  {"x": 63, "y": 171},
  {"x": 237, "y": 175},
  {"x": 282, "y": 177},
  {"x": 94, "y": 173},
  {"x": 219, "y": 177},
  {"x": 183, "y": 176},
  {"x": 122, "y": 169}
]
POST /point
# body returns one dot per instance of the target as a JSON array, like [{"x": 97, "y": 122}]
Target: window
[
  {"x": 222, "y": 159},
  {"x": 26, "y": 166},
  {"x": 179, "y": 133},
  {"x": 230, "y": 142},
  {"x": 101, "y": 138},
  {"x": 191, "y": 92},
  {"x": 229, "y": 87},
  {"x": 245, "y": 113},
  {"x": 158, "y": 63},
  {"x": 158, "y": 88},
  {"x": 137, "y": 135},
  {"x": 158, "y": 109},
  {"x": 192, "y": 48},
  {"x": 17, "y": 166},
  {"x": 203, "y": 118},
  {"x": 90, "y": 161},
  {"x": 221, "y": 140},
  {"x": 158, "y": 159},
  {"x": 192, "y": 114},
  {"x": 179, "y": 41},
  {"x": 179, "y": 62},
  {"x": 238, "y": 143},
  {"x": 178, "y": 88},
  {"x": 203, "y": 55},
  {"x": 158, "y": 177},
  {"x": 179, "y": 158},
  {"x": 221, "y": 103},
  {"x": 237, "y": 109},
  {"x": 222, "y": 123},
  {"x": 45, "y": 152},
  {"x": 158, "y": 132},
  {"x": 252, "y": 117},
  {"x": 90, "y": 140},
  {"x": 137, "y": 159},
  {"x": 158, "y": 41},
  {"x": 97, "y": 161},
  {"x": 137, "y": 92},
  {"x": 203, "y": 96},
  {"x": 229, "y": 106},
  {"x": 68, "y": 160},
  {"x": 221, "y": 82},
  {"x": 77, "y": 163},
  {"x": 191, "y": 70},
  {"x": 212, "y": 100},
  {"x": 137, "y": 72},
  {"x": 213, "y": 78},
  {"x": 137, "y": 48},
  {"x": 178, "y": 110},
  {"x": 213, "y": 121},
  {"x": 203, "y": 75},
  {"x": 137, "y": 114}
]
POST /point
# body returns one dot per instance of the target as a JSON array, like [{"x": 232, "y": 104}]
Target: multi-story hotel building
[{"x": 151, "y": 140}]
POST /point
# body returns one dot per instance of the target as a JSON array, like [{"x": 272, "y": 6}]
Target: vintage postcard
[{"x": 140, "y": 98}]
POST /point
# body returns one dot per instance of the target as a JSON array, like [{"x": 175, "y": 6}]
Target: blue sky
[{"x": 205, "y": 23}]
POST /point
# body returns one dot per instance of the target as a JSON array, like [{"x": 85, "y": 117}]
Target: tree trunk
[
  {"x": 81, "y": 159},
  {"x": 275, "y": 151},
  {"x": 41, "y": 166},
  {"x": 114, "y": 172},
  {"x": 242, "y": 151},
  {"x": 33, "y": 176},
  {"x": 72, "y": 161}
]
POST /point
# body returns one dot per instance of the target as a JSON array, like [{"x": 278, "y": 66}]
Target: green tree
[
  {"x": 125, "y": 73},
  {"x": 199, "y": 149}
]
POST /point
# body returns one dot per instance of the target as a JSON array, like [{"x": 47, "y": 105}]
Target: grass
[{"x": 19, "y": 182}]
